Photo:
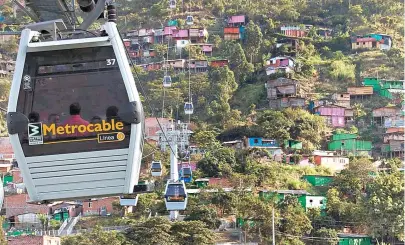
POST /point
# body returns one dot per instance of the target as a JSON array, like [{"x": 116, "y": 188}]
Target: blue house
[{"x": 270, "y": 145}]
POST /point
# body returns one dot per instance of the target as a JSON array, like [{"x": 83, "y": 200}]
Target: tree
[
  {"x": 96, "y": 237},
  {"x": 192, "y": 232},
  {"x": 237, "y": 60},
  {"x": 385, "y": 205},
  {"x": 206, "y": 215},
  {"x": 330, "y": 237},
  {"x": 295, "y": 223},
  {"x": 254, "y": 39},
  {"x": 275, "y": 125},
  {"x": 218, "y": 162},
  {"x": 153, "y": 231},
  {"x": 206, "y": 139},
  {"x": 222, "y": 86}
]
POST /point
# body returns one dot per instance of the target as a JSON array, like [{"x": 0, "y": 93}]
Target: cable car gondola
[
  {"x": 175, "y": 195},
  {"x": 156, "y": 168},
  {"x": 95, "y": 147},
  {"x": 167, "y": 81},
  {"x": 172, "y": 4},
  {"x": 190, "y": 20},
  {"x": 188, "y": 108},
  {"x": 186, "y": 174},
  {"x": 129, "y": 200}
]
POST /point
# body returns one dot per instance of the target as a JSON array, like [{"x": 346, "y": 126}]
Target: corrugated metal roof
[{"x": 236, "y": 19}]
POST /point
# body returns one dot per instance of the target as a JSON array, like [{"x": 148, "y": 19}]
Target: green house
[
  {"x": 351, "y": 145},
  {"x": 318, "y": 180},
  {"x": 336, "y": 136},
  {"x": 293, "y": 144},
  {"x": 384, "y": 88},
  {"x": 201, "y": 183},
  {"x": 354, "y": 239},
  {"x": 312, "y": 201},
  {"x": 279, "y": 195}
]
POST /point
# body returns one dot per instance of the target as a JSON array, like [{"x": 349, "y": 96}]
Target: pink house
[
  {"x": 180, "y": 34},
  {"x": 237, "y": 20},
  {"x": 334, "y": 115}
]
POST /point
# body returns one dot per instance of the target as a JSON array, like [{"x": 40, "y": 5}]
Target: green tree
[
  {"x": 192, "y": 232},
  {"x": 329, "y": 235},
  {"x": 205, "y": 214},
  {"x": 275, "y": 125},
  {"x": 218, "y": 162},
  {"x": 295, "y": 223},
  {"x": 385, "y": 205},
  {"x": 254, "y": 39},
  {"x": 153, "y": 231},
  {"x": 342, "y": 70},
  {"x": 237, "y": 60},
  {"x": 96, "y": 237}
]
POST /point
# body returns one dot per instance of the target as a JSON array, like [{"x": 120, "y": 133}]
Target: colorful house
[
  {"x": 333, "y": 114},
  {"x": 360, "y": 92},
  {"x": 382, "y": 114},
  {"x": 391, "y": 89},
  {"x": 293, "y": 31},
  {"x": 312, "y": 201},
  {"x": 348, "y": 143},
  {"x": 283, "y": 64},
  {"x": 268, "y": 144},
  {"x": 197, "y": 65},
  {"x": 219, "y": 63},
  {"x": 370, "y": 41},
  {"x": 293, "y": 144},
  {"x": 352, "y": 239},
  {"x": 237, "y": 20},
  {"x": 335, "y": 163},
  {"x": 198, "y": 35}
]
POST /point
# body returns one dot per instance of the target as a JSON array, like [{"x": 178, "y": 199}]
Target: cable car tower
[{"x": 174, "y": 137}]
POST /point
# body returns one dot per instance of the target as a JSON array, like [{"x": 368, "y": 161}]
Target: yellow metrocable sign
[{"x": 74, "y": 129}]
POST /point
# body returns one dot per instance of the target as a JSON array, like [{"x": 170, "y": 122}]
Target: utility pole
[{"x": 274, "y": 233}]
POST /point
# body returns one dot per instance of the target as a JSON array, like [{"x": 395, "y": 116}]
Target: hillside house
[
  {"x": 341, "y": 99},
  {"x": 293, "y": 31},
  {"x": 20, "y": 213},
  {"x": 293, "y": 144},
  {"x": 34, "y": 240},
  {"x": 177, "y": 65},
  {"x": 281, "y": 88},
  {"x": 5, "y": 167},
  {"x": 349, "y": 143},
  {"x": 335, "y": 163},
  {"x": 234, "y": 33},
  {"x": 394, "y": 148},
  {"x": 237, "y": 20},
  {"x": 360, "y": 92},
  {"x": 99, "y": 206},
  {"x": 391, "y": 89},
  {"x": 198, "y": 35},
  {"x": 349, "y": 239},
  {"x": 280, "y": 64},
  {"x": 270, "y": 145},
  {"x": 370, "y": 41},
  {"x": 312, "y": 201},
  {"x": 197, "y": 65},
  {"x": 334, "y": 115},
  {"x": 380, "y": 115},
  {"x": 218, "y": 63}
]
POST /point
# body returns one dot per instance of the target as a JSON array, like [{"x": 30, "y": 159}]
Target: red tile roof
[
  {"x": 17, "y": 204},
  {"x": 366, "y": 39},
  {"x": 219, "y": 182}
]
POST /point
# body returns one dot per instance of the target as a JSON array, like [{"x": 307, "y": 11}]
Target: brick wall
[
  {"x": 95, "y": 206},
  {"x": 34, "y": 240}
]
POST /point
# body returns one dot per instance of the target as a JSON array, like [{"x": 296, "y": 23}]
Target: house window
[
  {"x": 364, "y": 43},
  {"x": 321, "y": 202},
  {"x": 90, "y": 204},
  {"x": 256, "y": 141},
  {"x": 357, "y": 43}
]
